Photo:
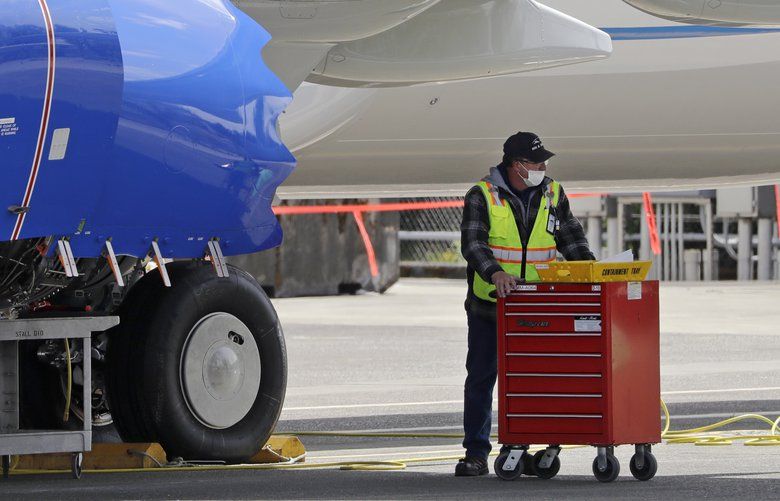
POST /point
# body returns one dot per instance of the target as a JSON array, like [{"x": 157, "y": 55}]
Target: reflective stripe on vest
[
  {"x": 494, "y": 195},
  {"x": 515, "y": 255},
  {"x": 504, "y": 238}
]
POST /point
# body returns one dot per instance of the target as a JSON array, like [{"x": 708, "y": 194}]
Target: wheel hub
[
  {"x": 220, "y": 370},
  {"x": 223, "y": 372}
]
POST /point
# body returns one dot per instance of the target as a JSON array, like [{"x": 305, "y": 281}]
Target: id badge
[{"x": 552, "y": 224}]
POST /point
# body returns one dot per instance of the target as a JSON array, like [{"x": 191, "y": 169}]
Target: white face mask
[{"x": 535, "y": 177}]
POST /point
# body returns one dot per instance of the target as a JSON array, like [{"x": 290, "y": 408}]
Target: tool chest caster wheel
[
  {"x": 610, "y": 472},
  {"x": 517, "y": 462},
  {"x": 545, "y": 473},
  {"x": 643, "y": 465},
  {"x": 6, "y": 466},
  {"x": 76, "y": 462}
]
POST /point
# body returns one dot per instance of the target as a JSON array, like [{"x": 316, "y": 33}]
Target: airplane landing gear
[{"x": 199, "y": 367}]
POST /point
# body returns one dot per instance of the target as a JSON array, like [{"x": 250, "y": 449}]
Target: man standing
[{"x": 513, "y": 218}]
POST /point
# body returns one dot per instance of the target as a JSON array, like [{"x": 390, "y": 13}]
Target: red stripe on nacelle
[{"x": 44, "y": 118}]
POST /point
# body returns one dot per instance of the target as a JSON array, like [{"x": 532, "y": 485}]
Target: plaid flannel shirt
[{"x": 475, "y": 227}]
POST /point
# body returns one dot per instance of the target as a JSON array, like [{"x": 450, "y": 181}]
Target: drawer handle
[
  {"x": 556, "y": 395},
  {"x": 544, "y": 334},
  {"x": 585, "y": 416},
  {"x": 571, "y": 355},
  {"x": 545, "y": 314},
  {"x": 537, "y": 374},
  {"x": 595, "y": 305}
]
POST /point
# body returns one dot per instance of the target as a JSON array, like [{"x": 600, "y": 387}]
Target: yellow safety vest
[{"x": 504, "y": 238}]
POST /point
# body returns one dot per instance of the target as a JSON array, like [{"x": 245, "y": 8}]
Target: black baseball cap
[{"x": 527, "y": 145}]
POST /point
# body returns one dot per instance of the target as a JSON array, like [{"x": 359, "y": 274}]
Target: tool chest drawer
[
  {"x": 562, "y": 403},
  {"x": 552, "y": 322},
  {"x": 553, "y": 307},
  {"x": 531, "y": 423},
  {"x": 556, "y": 383},
  {"x": 554, "y": 362},
  {"x": 554, "y": 343},
  {"x": 555, "y": 298},
  {"x": 558, "y": 291}
]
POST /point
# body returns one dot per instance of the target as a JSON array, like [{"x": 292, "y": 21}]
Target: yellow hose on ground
[
  {"x": 698, "y": 436},
  {"x": 703, "y": 435}
]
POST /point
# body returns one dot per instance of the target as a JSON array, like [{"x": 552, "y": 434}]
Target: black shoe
[{"x": 471, "y": 467}]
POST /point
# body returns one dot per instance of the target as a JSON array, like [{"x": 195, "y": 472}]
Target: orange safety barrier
[
  {"x": 367, "y": 242},
  {"x": 655, "y": 241},
  {"x": 340, "y": 209},
  {"x": 777, "y": 206},
  {"x": 357, "y": 211}
]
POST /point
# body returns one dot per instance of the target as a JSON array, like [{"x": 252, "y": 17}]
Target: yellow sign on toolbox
[{"x": 593, "y": 271}]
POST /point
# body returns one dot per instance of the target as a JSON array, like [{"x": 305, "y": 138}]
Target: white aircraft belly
[
  {"x": 670, "y": 114},
  {"x": 324, "y": 21},
  {"x": 713, "y": 11}
]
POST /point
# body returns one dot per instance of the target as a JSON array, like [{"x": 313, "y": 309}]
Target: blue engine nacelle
[{"x": 137, "y": 121}]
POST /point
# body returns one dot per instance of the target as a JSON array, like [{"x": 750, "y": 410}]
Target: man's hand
[{"x": 504, "y": 282}]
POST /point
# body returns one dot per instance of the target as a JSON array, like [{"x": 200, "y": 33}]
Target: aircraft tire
[
  {"x": 126, "y": 342},
  {"x": 201, "y": 323}
]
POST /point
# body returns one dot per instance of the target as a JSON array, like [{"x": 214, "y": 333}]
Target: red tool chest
[{"x": 579, "y": 364}]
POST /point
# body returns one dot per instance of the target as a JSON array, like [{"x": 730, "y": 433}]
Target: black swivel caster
[
  {"x": 76, "y": 462},
  {"x": 643, "y": 464},
  {"x": 554, "y": 465},
  {"x": 606, "y": 466},
  {"x": 514, "y": 457}
]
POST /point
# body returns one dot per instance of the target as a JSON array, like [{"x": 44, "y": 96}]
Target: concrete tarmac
[{"x": 395, "y": 363}]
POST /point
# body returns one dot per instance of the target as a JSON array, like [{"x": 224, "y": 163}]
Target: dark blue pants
[{"x": 478, "y": 392}]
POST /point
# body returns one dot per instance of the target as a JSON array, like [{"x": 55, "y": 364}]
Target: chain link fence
[{"x": 430, "y": 240}]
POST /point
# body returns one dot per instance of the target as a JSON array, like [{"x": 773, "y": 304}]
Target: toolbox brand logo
[{"x": 530, "y": 323}]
